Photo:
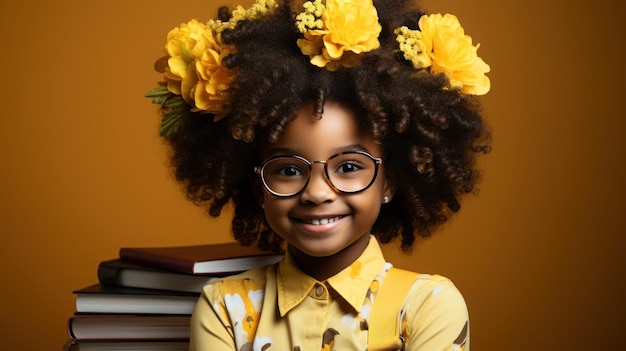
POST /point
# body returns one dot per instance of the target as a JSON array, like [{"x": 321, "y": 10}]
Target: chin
[
  {"x": 319, "y": 249},
  {"x": 319, "y": 252},
  {"x": 324, "y": 248}
]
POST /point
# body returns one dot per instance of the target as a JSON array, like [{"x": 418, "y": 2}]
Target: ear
[{"x": 389, "y": 188}]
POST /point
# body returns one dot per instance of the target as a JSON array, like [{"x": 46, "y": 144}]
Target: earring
[{"x": 385, "y": 199}]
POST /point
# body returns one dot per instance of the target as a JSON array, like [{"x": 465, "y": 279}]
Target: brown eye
[
  {"x": 289, "y": 171},
  {"x": 348, "y": 167}
]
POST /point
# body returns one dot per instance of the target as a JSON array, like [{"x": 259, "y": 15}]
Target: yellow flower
[
  {"x": 195, "y": 69},
  {"x": 184, "y": 45},
  {"x": 260, "y": 8},
  {"x": 310, "y": 18},
  {"x": 453, "y": 54},
  {"x": 210, "y": 92},
  {"x": 349, "y": 29},
  {"x": 411, "y": 44}
]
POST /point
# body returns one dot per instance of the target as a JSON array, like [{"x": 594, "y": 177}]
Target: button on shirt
[{"x": 278, "y": 307}]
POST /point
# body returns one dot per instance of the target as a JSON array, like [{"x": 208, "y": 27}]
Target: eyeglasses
[{"x": 346, "y": 172}]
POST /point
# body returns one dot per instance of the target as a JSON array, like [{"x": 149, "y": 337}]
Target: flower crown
[{"x": 335, "y": 33}]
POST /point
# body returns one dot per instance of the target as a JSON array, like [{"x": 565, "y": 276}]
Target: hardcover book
[
  {"x": 116, "y": 272},
  {"x": 128, "y": 327},
  {"x": 113, "y": 299},
  {"x": 126, "y": 345},
  {"x": 200, "y": 259}
]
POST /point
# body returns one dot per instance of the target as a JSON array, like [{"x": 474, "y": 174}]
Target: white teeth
[{"x": 321, "y": 221}]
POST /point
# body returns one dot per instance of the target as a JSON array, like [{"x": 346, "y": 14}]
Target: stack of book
[{"x": 144, "y": 298}]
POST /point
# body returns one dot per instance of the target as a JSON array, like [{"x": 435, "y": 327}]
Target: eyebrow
[{"x": 293, "y": 152}]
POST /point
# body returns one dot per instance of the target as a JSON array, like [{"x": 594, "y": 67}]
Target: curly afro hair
[{"x": 430, "y": 134}]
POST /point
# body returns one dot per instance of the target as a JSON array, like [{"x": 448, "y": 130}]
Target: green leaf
[
  {"x": 159, "y": 100},
  {"x": 159, "y": 91},
  {"x": 171, "y": 122},
  {"x": 174, "y": 102}
]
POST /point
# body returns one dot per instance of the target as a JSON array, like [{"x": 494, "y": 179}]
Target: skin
[{"x": 323, "y": 250}]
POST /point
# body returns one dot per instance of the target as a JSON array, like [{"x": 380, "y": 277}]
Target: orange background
[{"x": 538, "y": 253}]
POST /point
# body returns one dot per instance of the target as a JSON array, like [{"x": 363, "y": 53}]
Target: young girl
[{"x": 332, "y": 126}]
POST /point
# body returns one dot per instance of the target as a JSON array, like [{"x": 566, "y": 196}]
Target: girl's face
[{"x": 320, "y": 221}]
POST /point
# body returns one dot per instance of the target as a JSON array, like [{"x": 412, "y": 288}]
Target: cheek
[
  {"x": 373, "y": 209},
  {"x": 378, "y": 190},
  {"x": 276, "y": 211},
  {"x": 374, "y": 199}
]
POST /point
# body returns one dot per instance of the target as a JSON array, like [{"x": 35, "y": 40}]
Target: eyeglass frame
[{"x": 259, "y": 170}]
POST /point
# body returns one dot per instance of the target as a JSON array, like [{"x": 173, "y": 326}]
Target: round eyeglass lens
[
  {"x": 351, "y": 172},
  {"x": 286, "y": 175}
]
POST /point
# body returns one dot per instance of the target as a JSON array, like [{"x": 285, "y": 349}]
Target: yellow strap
[{"x": 384, "y": 333}]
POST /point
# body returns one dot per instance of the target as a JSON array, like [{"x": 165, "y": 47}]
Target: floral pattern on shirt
[
  {"x": 244, "y": 309},
  {"x": 460, "y": 342}
]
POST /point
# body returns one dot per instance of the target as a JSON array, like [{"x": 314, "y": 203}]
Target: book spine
[
  {"x": 161, "y": 262},
  {"x": 109, "y": 273},
  {"x": 70, "y": 331}
]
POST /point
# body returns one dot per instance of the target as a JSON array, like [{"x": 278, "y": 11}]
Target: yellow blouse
[{"x": 278, "y": 307}]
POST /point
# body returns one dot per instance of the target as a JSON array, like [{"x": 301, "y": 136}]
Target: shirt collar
[{"x": 352, "y": 283}]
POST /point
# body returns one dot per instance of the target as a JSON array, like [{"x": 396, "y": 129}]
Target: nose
[{"x": 318, "y": 190}]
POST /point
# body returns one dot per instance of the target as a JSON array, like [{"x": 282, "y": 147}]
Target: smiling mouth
[{"x": 321, "y": 221}]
